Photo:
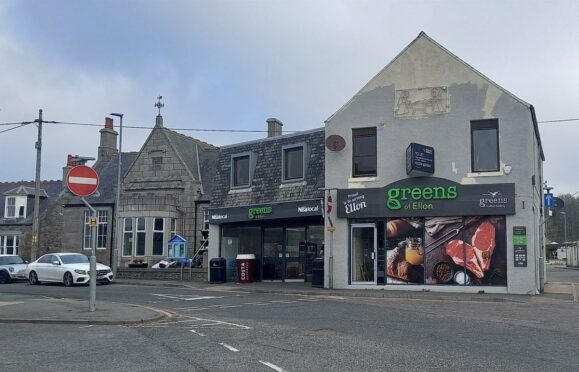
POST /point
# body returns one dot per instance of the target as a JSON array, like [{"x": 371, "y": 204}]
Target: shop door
[
  {"x": 273, "y": 253},
  {"x": 363, "y": 253},
  {"x": 295, "y": 253}
]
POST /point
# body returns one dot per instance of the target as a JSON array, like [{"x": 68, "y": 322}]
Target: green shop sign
[
  {"x": 419, "y": 196},
  {"x": 427, "y": 196},
  {"x": 258, "y": 212}
]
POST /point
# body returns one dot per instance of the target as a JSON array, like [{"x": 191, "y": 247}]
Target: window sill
[
  {"x": 486, "y": 174},
  {"x": 292, "y": 184},
  {"x": 363, "y": 179},
  {"x": 240, "y": 190}
]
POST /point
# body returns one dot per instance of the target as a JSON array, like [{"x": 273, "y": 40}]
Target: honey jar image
[{"x": 414, "y": 251}]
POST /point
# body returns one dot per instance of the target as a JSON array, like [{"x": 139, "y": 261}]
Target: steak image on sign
[{"x": 465, "y": 250}]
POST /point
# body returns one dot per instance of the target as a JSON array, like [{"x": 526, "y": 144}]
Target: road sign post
[{"x": 83, "y": 181}]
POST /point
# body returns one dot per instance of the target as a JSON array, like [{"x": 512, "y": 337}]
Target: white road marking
[
  {"x": 272, "y": 366},
  {"x": 82, "y": 180},
  {"x": 197, "y": 333},
  {"x": 229, "y": 347},
  {"x": 308, "y": 299},
  {"x": 6, "y": 303},
  {"x": 190, "y": 308},
  {"x": 186, "y": 297},
  {"x": 88, "y": 326},
  {"x": 256, "y": 303},
  {"x": 216, "y": 323}
]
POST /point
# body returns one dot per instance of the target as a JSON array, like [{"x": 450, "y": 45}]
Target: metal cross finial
[{"x": 159, "y": 105}]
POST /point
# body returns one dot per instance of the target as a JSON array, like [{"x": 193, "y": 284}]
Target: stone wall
[{"x": 197, "y": 275}]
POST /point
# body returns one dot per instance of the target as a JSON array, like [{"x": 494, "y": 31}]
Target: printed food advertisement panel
[{"x": 447, "y": 251}]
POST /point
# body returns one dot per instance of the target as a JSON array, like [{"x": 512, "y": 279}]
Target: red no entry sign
[{"x": 82, "y": 180}]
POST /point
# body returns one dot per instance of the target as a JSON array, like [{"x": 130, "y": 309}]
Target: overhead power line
[
  {"x": 22, "y": 122},
  {"x": 16, "y": 127},
  {"x": 147, "y": 127},
  {"x": 557, "y": 121}
]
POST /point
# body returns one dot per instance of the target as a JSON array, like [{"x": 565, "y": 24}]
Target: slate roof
[
  {"x": 208, "y": 159},
  {"x": 187, "y": 148},
  {"x": 26, "y": 190},
  {"x": 267, "y": 180},
  {"x": 108, "y": 180},
  {"x": 50, "y": 191}
]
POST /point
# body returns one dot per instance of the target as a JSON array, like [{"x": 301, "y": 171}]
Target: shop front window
[
  {"x": 240, "y": 240},
  {"x": 470, "y": 251}
]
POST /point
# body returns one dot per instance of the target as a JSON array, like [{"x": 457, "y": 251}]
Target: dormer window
[
  {"x": 15, "y": 207},
  {"x": 10, "y": 207},
  {"x": 293, "y": 163},
  {"x": 240, "y": 176}
]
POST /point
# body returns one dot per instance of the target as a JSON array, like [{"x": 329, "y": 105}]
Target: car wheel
[
  {"x": 4, "y": 277},
  {"x": 33, "y": 278},
  {"x": 68, "y": 280}
]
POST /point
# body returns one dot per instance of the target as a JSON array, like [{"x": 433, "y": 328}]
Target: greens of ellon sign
[{"x": 427, "y": 196}]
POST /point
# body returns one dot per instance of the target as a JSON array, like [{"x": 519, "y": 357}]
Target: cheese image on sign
[{"x": 82, "y": 180}]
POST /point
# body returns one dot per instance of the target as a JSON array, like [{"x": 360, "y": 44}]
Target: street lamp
[
  {"x": 565, "y": 215},
  {"x": 118, "y": 196}
]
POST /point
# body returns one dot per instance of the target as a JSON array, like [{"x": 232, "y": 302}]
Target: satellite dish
[{"x": 335, "y": 142}]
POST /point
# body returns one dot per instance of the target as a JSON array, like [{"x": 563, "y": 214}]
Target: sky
[{"x": 233, "y": 64}]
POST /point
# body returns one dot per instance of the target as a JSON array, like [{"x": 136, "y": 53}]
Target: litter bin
[
  {"x": 245, "y": 264},
  {"x": 217, "y": 270},
  {"x": 318, "y": 272}
]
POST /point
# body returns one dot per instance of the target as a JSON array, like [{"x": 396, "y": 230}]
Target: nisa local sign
[
  {"x": 429, "y": 197},
  {"x": 259, "y": 212}
]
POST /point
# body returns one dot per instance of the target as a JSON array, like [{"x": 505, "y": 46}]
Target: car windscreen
[
  {"x": 74, "y": 258},
  {"x": 11, "y": 260}
]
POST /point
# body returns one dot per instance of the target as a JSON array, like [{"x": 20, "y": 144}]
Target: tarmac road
[{"x": 218, "y": 330}]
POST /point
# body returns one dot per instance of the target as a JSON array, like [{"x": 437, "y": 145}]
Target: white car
[
  {"x": 67, "y": 268},
  {"x": 12, "y": 267}
]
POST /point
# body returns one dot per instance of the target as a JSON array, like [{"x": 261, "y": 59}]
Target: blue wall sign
[{"x": 419, "y": 159}]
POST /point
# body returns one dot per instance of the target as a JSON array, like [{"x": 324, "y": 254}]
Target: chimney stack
[
  {"x": 274, "y": 127},
  {"x": 108, "y": 145},
  {"x": 71, "y": 161}
]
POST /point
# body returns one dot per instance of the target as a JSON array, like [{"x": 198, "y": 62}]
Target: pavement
[
  {"x": 19, "y": 308},
  {"x": 554, "y": 292}
]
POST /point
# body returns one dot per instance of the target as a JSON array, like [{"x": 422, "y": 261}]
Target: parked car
[
  {"x": 12, "y": 267},
  {"x": 68, "y": 268}
]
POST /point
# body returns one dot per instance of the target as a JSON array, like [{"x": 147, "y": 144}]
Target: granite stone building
[
  {"x": 164, "y": 192},
  {"x": 165, "y": 189}
]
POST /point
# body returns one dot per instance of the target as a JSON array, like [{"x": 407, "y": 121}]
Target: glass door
[
  {"x": 295, "y": 253},
  {"x": 363, "y": 253},
  {"x": 273, "y": 253}
]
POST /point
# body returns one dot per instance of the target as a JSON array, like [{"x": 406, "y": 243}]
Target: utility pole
[{"x": 36, "y": 221}]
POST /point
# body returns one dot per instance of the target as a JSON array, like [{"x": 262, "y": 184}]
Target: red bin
[{"x": 245, "y": 264}]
